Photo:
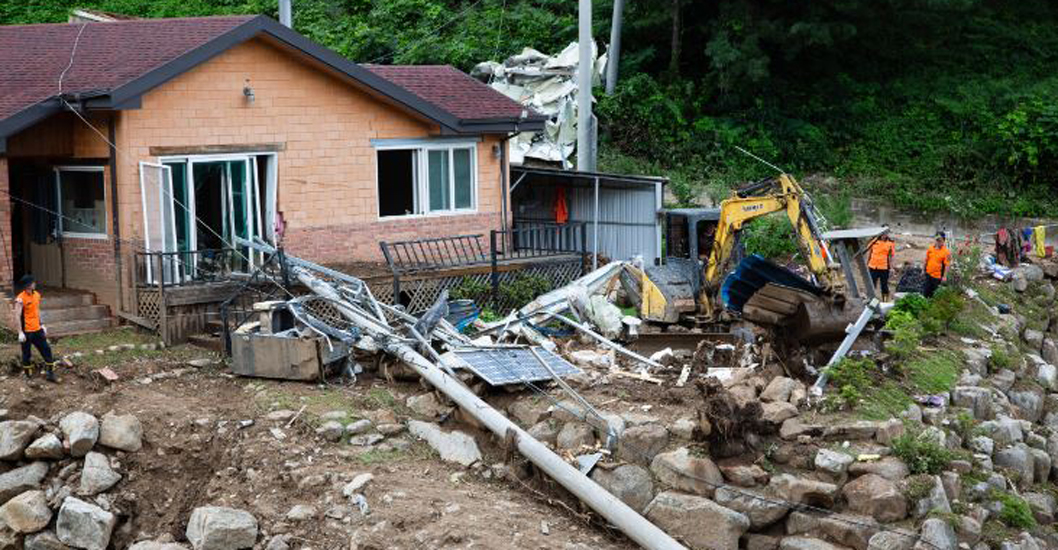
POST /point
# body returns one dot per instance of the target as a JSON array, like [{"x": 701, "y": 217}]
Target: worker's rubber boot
[
  {"x": 49, "y": 373},
  {"x": 29, "y": 371}
]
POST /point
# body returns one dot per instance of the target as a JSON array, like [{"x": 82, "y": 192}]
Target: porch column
[{"x": 6, "y": 243}]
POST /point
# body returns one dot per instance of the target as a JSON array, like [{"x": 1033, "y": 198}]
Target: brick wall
[
  {"x": 326, "y": 187},
  {"x": 89, "y": 265}
]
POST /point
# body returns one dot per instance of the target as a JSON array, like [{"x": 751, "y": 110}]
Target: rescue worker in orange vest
[
  {"x": 938, "y": 260},
  {"x": 31, "y": 332},
  {"x": 880, "y": 262}
]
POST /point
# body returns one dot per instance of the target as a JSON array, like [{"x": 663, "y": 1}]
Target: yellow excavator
[{"x": 700, "y": 244}]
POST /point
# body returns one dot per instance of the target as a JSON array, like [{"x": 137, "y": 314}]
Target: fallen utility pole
[{"x": 643, "y": 532}]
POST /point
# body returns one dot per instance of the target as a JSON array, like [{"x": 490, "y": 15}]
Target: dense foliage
[{"x": 935, "y": 104}]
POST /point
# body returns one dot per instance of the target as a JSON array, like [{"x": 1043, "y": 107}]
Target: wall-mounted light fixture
[{"x": 247, "y": 92}]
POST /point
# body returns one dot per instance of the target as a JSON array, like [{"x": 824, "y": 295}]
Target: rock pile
[{"x": 55, "y": 474}]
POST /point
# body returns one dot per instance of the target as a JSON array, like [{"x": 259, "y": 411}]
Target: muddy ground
[{"x": 197, "y": 453}]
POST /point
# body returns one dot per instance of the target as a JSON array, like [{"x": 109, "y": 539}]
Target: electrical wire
[{"x": 73, "y": 53}]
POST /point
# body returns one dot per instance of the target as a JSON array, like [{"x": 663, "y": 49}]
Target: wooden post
[{"x": 163, "y": 309}]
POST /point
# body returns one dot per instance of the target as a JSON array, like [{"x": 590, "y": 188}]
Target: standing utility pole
[
  {"x": 585, "y": 149},
  {"x": 285, "y": 18},
  {"x": 615, "y": 46}
]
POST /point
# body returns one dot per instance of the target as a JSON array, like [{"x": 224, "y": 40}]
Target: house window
[
  {"x": 425, "y": 180},
  {"x": 82, "y": 201}
]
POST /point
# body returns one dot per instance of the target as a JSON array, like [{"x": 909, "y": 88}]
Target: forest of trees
[{"x": 935, "y": 104}]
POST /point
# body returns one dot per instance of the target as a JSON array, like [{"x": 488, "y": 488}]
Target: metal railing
[
  {"x": 528, "y": 241},
  {"x": 186, "y": 268}
]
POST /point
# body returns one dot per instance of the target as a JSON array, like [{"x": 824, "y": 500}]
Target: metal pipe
[
  {"x": 595, "y": 238},
  {"x": 607, "y": 342},
  {"x": 285, "y": 17},
  {"x": 615, "y": 46},
  {"x": 585, "y": 162}
]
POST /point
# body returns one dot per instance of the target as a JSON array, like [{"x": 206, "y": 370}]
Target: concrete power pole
[
  {"x": 285, "y": 17},
  {"x": 585, "y": 147},
  {"x": 615, "y": 46}
]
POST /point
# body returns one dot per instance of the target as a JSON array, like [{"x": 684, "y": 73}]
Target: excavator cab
[{"x": 689, "y": 238}]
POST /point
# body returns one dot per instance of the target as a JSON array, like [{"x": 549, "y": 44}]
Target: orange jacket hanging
[{"x": 561, "y": 208}]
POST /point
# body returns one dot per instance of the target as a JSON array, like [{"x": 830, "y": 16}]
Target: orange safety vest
[
  {"x": 937, "y": 261},
  {"x": 881, "y": 253},
  {"x": 30, "y": 310}
]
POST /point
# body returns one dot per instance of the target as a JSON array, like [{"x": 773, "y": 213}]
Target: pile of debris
[{"x": 548, "y": 85}]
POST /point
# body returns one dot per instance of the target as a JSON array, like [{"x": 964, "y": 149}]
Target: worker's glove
[
  {"x": 21, "y": 337},
  {"x": 44, "y": 329}
]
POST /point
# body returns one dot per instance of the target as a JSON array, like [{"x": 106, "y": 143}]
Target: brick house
[{"x": 230, "y": 126}]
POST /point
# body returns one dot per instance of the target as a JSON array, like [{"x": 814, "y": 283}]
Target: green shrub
[
  {"x": 771, "y": 236},
  {"x": 1016, "y": 512},
  {"x": 523, "y": 290},
  {"x": 907, "y": 335},
  {"x": 852, "y": 379},
  {"x": 1000, "y": 359},
  {"x": 912, "y": 303},
  {"x": 943, "y": 308},
  {"x": 921, "y": 455},
  {"x": 469, "y": 289}
]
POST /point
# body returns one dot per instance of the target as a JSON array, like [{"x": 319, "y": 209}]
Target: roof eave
[{"x": 28, "y": 117}]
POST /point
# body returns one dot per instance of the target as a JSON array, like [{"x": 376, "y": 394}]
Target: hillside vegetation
[{"x": 934, "y": 104}]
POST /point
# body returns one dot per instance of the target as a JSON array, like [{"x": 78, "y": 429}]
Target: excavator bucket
[{"x": 769, "y": 294}]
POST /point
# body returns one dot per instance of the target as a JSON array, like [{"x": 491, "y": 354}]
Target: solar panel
[{"x": 501, "y": 366}]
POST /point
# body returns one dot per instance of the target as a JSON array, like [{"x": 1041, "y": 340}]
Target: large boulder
[
  {"x": 26, "y": 513},
  {"x": 833, "y": 462},
  {"x": 1029, "y": 402},
  {"x": 697, "y": 521},
  {"x": 428, "y": 406},
  {"x": 803, "y": 491},
  {"x": 453, "y": 446},
  {"x": 97, "y": 475},
  {"x": 640, "y": 444},
  {"x": 80, "y": 432},
  {"x": 528, "y": 412},
  {"x": 682, "y": 471},
  {"x": 219, "y": 528},
  {"x": 806, "y": 543},
  {"x": 1033, "y": 338},
  {"x": 889, "y": 467},
  {"x": 938, "y": 535},
  {"x": 154, "y": 545},
  {"x": 892, "y": 540},
  {"x": 778, "y": 412},
  {"x": 15, "y": 435},
  {"x": 849, "y": 530},
  {"x": 779, "y": 389},
  {"x": 574, "y": 436},
  {"x": 84, "y": 525},
  {"x": 47, "y": 447},
  {"x": 22, "y": 479},
  {"x": 121, "y": 432},
  {"x": 875, "y": 496},
  {"x": 762, "y": 508},
  {"x": 1018, "y": 459},
  {"x": 629, "y": 482},
  {"x": 934, "y": 499}
]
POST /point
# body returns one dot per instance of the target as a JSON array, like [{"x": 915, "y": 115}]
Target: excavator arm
[{"x": 738, "y": 210}]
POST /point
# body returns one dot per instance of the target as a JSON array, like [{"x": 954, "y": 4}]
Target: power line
[
  {"x": 73, "y": 52},
  {"x": 430, "y": 36}
]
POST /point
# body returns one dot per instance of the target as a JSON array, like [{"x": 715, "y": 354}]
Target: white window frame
[
  {"x": 265, "y": 229},
  {"x": 421, "y": 177},
  {"x": 62, "y": 215}
]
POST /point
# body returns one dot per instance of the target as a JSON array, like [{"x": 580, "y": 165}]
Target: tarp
[{"x": 752, "y": 274}]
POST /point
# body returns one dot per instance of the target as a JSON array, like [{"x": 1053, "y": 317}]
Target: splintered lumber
[
  {"x": 607, "y": 342},
  {"x": 643, "y": 532}
]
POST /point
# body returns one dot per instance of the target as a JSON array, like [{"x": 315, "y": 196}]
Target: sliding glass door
[{"x": 218, "y": 198}]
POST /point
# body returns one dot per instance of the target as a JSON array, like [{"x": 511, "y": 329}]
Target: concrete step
[
  {"x": 81, "y": 326},
  {"x": 61, "y": 300},
  {"x": 76, "y": 313}
]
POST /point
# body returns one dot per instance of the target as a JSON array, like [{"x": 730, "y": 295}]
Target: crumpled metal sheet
[{"x": 548, "y": 84}]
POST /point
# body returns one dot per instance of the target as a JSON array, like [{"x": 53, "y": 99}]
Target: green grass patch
[
  {"x": 921, "y": 455},
  {"x": 934, "y": 372},
  {"x": 885, "y": 402},
  {"x": 1016, "y": 513},
  {"x": 417, "y": 451}
]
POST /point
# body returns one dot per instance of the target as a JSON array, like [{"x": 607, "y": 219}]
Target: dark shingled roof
[
  {"x": 108, "y": 54},
  {"x": 452, "y": 90},
  {"x": 117, "y": 61}
]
